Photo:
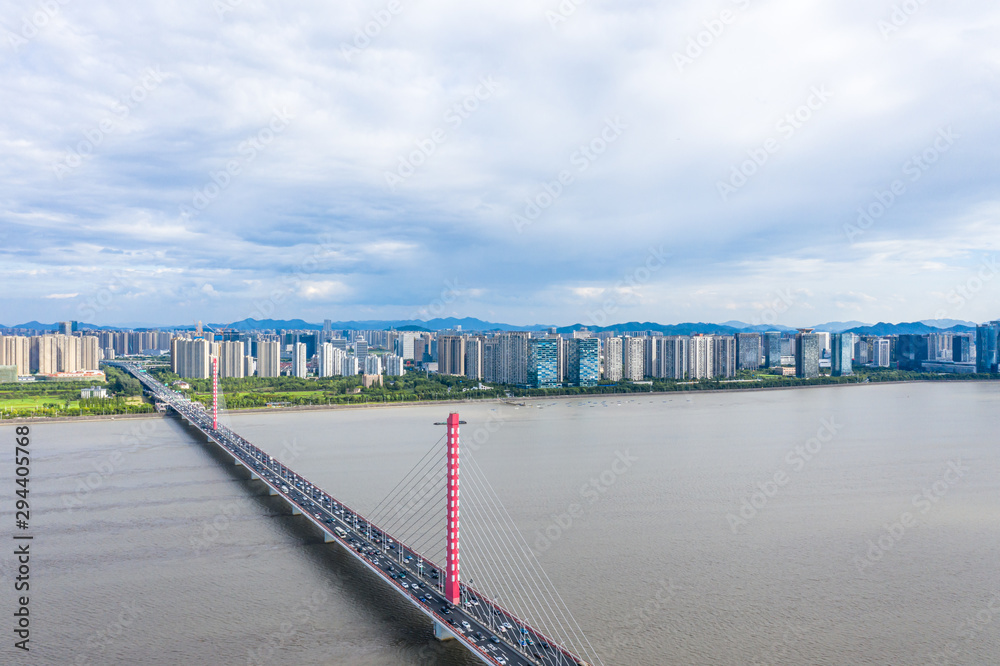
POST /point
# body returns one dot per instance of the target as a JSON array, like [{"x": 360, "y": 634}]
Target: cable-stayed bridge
[{"x": 513, "y": 616}]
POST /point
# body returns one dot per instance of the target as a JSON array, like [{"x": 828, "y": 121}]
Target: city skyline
[{"x": 521, "y": 163}]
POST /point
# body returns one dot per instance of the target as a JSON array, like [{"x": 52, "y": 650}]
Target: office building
[
  {"x": 584, "y": 364},
  {"x": 841, "y": 353},
  {"x": 986, "y": 347},
  {"x": 404, "y": 345},
  {"x": 961, "y": 349},
  {"x": 881, "y": 352},
  {"x": 772, "y": 349},
  {"x": 911, "y": 352},
  {"x": 748, "y": 348},
  {"x": 807, "y": 353},
  {"x": 543, "y": 363}
]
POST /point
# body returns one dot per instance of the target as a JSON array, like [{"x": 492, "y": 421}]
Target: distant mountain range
[
  {"x": 884, "y": 328},
  {"x": 473, "y": 324}
]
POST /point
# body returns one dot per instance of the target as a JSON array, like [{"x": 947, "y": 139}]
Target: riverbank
[
  {"x": 520, "y": 401},
  {"x": 81, "y": 419}
]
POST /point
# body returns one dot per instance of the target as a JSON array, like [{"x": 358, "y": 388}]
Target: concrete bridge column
[{"x": 441, "y": 633}]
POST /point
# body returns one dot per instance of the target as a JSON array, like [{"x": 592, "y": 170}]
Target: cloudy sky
[{"x": 523, "y": 162}]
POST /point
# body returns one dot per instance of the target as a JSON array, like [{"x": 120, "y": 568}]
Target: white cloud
[{"x": 311, "y": 200}]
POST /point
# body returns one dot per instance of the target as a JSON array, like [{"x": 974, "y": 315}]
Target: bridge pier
[
  {"x": 442, "y": 633},
  {"x": 296, "y": 511},
  {"x": 327, "y": 537}
]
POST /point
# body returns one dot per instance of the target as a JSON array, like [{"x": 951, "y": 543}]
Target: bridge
[{"x": 477, "y": 620}]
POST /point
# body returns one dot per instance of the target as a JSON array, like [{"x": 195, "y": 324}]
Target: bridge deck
[{"x": 492, "y": 633}]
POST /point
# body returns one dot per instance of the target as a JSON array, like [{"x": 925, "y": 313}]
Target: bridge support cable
[
  {"x": 422, "y": 540},
  {"x": 524, "y": 559},
  {"x": 505, "y": 572},
  {"x": 390, "y": 501},
  {"x": 415, "y": 534},
  {"x": 524, "y": 600},
  {"x": 531, "y": 561},
  {"x": 499, "y": 582},
  {"x": 418, "y": 505}
]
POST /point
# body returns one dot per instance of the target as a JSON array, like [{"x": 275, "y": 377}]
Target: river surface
[{"x": 835, "y": 525}]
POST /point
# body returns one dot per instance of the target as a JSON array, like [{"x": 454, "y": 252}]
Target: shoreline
[
  {"x": 516, "y": 401},
  {"x": 81, "y": 419}
]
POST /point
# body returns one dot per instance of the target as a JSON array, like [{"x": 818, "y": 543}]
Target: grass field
[{"x": 35, "y": 401}]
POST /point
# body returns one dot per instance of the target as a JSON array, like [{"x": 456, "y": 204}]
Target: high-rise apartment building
[
  {"x": 474, "y": 358},
  {"x": 701, "y": 357},
  {"x": 613, "y": 359},
  {"x": 329, "y": 360},
  {"x": 650, "y": 358},
  {"x": 15, "y": 350},
  {"x": 505, "y": 358},
  {"x": 191, "y": 358},
  {"x": 672, "y": 357},
  {"x": 633, "y": 363},
  {"x": 373, "y": 364},
  {"x": 451, "y": 354},
  {"x": 724, "y": 356},
  {"x": 232, "y": 360},
  {"x": 90, "y": 353},
  {"x": 268, "y": 358},
  {"x": 394, "y": 365},
  {"x": 299, "y": 359},
  {"x": 350, "y": 366}
]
